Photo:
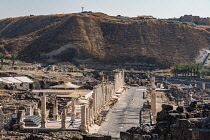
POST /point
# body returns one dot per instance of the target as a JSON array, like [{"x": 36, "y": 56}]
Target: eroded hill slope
[{"x": 100, "y": 37}]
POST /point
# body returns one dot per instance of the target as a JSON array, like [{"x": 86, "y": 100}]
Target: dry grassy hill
[{"x": 100, "y": 37}]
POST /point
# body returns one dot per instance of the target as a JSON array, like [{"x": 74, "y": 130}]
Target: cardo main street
[{"x": 125, "y": 113}]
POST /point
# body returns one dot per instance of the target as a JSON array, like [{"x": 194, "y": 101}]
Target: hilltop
[{"x": 103, "y": 38}]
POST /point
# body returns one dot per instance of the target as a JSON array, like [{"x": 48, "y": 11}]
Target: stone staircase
[{"x": 32, "y": 121}]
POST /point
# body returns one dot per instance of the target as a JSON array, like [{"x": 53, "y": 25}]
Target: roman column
[{"x": 43, "y": 109}]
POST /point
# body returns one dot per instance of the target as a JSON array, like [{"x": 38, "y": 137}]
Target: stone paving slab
[{"x": 124, "y": 114}]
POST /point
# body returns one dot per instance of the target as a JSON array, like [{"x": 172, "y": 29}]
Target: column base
[
  {"x": 83, "y": 128},
  {"x": 43, "y": 126},
  {"x": 55, "y": 117}
]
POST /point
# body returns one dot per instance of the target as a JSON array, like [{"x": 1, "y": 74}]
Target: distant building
[
  {"x": 87, "y": 12},
  {"x": 144, "y": 17}
]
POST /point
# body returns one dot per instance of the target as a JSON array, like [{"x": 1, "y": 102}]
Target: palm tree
[
  {"x": 191, "y": 68},
  {"x": 13, "y": 55},
  {"x": 198, "y": 68},
  {"x": 2, "y": 56},
  {"x": 175, "y": 69},
  {"x": 183, "y": 69}
]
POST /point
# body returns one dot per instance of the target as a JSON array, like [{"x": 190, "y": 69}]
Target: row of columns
[
  {"x": 101, "y": 95},
  {"x": 55, "y": 112},
  {"x": 44, "y": 113}
]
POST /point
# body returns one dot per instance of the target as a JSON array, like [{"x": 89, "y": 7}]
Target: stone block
[
  {"x": 195, "y": 134},
  {"x": 154, "y": 136},
  {"x": 131, "y": 136},
  {"x": 182, "y": 116},
  {"x": 209, "y": 136},
  {"x": 208, "y": 125},
  {"x": 168, "y": 137},
  {"x": 173, "y": 117},
  {"x": 187, "y": 134},
  {"x": 124, "y": 136},
  {"x": 107, "y": 138},
  {"x": 177, "y": 132},
  {"x": 205, "y": 113},
  {"x": 192, "y": 115},
  {"x": 167, "y": 107},
  {"x": 204, "y": 134},
  {"x": 146, "y": 137},
  {"x": 184, "y": 123},
  {"x": 91, "y": 137},
  {"x": 137, "y": 137},
  {"x": 77, "y": 138}
]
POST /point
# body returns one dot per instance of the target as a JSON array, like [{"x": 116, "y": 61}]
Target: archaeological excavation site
[{"x": 91, "y": 76}]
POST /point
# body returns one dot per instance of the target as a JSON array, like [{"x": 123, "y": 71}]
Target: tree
[
  {"x": 13, "y": 55},
  {"x": 188, "y": 69},
  {"x": 2, "y": 56},
  {"x": 175, "y": 69},
  {"x": 198, "y": 69},
  {"x": 205, "y": 71}
]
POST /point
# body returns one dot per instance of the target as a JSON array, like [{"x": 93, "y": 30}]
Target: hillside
[{"x": 100, "y": 37}]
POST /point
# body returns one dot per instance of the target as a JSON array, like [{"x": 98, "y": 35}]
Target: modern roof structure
[
  {"x": 24, "y": 79},
  {"x": 66, "y": 85},
  {"x": 15, "y": 80},
  {"x": 10, "y": 80}
]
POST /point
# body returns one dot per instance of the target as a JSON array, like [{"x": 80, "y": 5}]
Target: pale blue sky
[{"x": 132, "y": 8}]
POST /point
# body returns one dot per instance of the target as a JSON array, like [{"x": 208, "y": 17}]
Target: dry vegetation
[{"x": 102, "y": 37}]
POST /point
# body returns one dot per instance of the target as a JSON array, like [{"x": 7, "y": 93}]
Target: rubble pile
[
  {"x": 137, "y": 78},
  {"x": 61, "y": 135},
  {"x": 46, "y": 110},
  {"x": 190, "y": 122},
  {"x": 180, "y": 94}
]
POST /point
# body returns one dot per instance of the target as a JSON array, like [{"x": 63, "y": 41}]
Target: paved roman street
[{"x": 124, "y": 114}]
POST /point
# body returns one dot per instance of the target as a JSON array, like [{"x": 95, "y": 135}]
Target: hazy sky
[{"x": 132, "y": 8}]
